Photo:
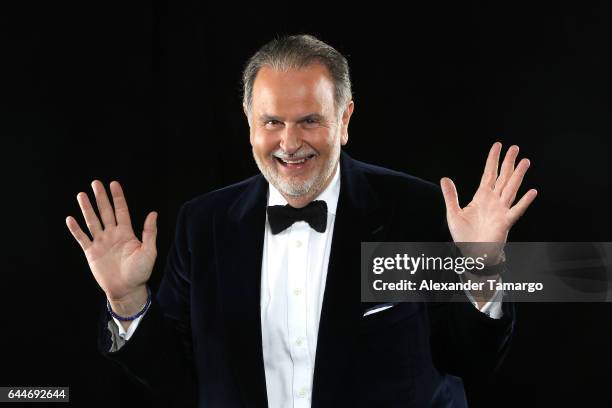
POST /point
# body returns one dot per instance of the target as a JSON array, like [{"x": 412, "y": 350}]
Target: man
[{"x": 260, "y": 301}]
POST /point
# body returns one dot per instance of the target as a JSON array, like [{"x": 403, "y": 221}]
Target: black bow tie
[{"x": 282, "y": 217}]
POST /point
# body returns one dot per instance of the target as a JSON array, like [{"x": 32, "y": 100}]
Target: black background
[{"x": 149, "y": 94}]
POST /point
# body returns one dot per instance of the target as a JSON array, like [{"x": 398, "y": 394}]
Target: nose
[{"x": 291, "y": 138}]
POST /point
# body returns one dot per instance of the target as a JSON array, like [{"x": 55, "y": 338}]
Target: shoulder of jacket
[
  {"x": 387, "y": 181},
  {"x": 220, "y": 198}
]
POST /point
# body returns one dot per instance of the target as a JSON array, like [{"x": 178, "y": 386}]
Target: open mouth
[{"x": 294, "y": 162}]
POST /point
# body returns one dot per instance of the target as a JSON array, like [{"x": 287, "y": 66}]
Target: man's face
[{"x": 295, "y": 131}]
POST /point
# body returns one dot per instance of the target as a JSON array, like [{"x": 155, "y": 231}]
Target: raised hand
[
  {"x": 120, "y": 263},
  {"x": 491, "y": 213}
]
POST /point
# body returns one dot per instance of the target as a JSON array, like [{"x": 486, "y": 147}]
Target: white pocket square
[{"x": 378, "y": 308}]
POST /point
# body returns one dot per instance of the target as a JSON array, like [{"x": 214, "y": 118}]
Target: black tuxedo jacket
[{"x": 202, "y": 336}]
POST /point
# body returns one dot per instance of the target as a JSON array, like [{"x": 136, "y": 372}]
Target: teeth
[{"x": 294, "y": 162}]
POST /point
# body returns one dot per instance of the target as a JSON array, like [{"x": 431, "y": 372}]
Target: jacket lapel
[
  {"x": 358, "y": 218},
  {"x": 239, "y": 241}
]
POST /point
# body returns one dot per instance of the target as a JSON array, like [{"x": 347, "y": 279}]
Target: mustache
[{"x": 301, "y": 153}]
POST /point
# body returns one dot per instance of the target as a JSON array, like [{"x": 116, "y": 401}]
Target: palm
[
  {"x": 482, "y": 220},
  {"x": 118, "y": 260},
  {"x": 491, "y": 213}
]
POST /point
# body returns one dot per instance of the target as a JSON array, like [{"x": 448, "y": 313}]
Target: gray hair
[{"x": 296, "y": 52}]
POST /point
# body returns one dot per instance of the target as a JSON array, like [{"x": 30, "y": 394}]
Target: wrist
[
  {"x": 130, "y": 304},
  {"x": 490, "y": 254}
]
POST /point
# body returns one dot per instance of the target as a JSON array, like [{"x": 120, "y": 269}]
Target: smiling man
[
  {"x": 296, "y": 127},
  {"x": 260, "y": 300}
]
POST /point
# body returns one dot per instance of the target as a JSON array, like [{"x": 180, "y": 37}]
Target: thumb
[
  {"x": 449, "y": 191},
  {"x": 149, "y": 232}
]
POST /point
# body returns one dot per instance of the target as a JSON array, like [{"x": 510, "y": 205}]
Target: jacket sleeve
[
  {"x": 159, "y": 355},
  {"x": 466, "y": 342}
]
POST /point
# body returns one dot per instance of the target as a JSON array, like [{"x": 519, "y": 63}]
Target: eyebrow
[
  {"x": 312, "y": 116},
  {"x": 265, "y": 118}
]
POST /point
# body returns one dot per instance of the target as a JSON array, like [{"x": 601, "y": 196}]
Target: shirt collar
[{"x": 329, "y": 195}]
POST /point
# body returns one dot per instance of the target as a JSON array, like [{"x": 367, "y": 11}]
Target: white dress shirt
[{"x": 293, "y": 276}]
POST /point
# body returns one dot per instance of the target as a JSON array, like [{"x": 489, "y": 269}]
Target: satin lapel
[
  {"x": 358, "y": 218},
  {"x": 239, "y": 248}
]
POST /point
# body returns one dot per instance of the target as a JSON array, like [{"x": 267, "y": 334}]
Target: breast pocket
[
  {"x": 380, "y": 317},
  {"x": 393, "y": 349}
]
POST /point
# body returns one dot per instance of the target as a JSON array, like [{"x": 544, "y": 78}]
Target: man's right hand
[{"x": 120, "y": 263}]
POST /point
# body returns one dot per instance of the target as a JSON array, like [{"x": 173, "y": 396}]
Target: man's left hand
[{"x": 491, "y": 213}]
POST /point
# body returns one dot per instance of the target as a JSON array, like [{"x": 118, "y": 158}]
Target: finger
[
  {"x": 104, "y": 206},
  {"x": 490, "y": 172},
  {"x": 91, "y": 219},
  {"x": 509, "y": 193},
  {"x": 149, "y": 232},
  {"x": 507, "y": 169},
  {"x": 519, "y": 208},
  {"x": 122, "y": 212},
  {"x": 449, "y": 191},
  {"x": 78, "y": 233}
]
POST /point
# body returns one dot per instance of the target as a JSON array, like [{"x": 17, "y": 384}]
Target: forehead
[{"x": 291, "y": 92}]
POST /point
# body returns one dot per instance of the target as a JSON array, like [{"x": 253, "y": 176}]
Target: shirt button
[
  {"x": 297, "y": 292},
  {"x": 298, "y": 243},
  {"x": 302, "y": 393},
  {"x": 299, "y": 341}
]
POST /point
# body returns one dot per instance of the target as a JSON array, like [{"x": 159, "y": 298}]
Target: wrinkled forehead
[{"x": 293, "y": 93}]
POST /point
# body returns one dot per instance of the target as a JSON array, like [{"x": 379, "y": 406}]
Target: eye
[
  {"x": 272, "y": 123},
  {"x": 311, "y": 122}
]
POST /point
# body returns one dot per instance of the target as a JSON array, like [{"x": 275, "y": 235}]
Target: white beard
[{"x": 298, "y": 188}]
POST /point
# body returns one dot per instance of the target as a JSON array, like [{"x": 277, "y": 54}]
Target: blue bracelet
[{"x": 137, "y": 315}]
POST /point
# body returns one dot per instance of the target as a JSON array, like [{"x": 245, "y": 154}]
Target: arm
[
  {"x": 158, "y": 355},
  {"x": 466, "y": 341}
]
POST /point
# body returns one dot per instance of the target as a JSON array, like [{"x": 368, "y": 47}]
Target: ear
[
  {"x": 248, "y": 117},
  {"x": 346, "y": 117},
  {"x": 246, "y": 113}
]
